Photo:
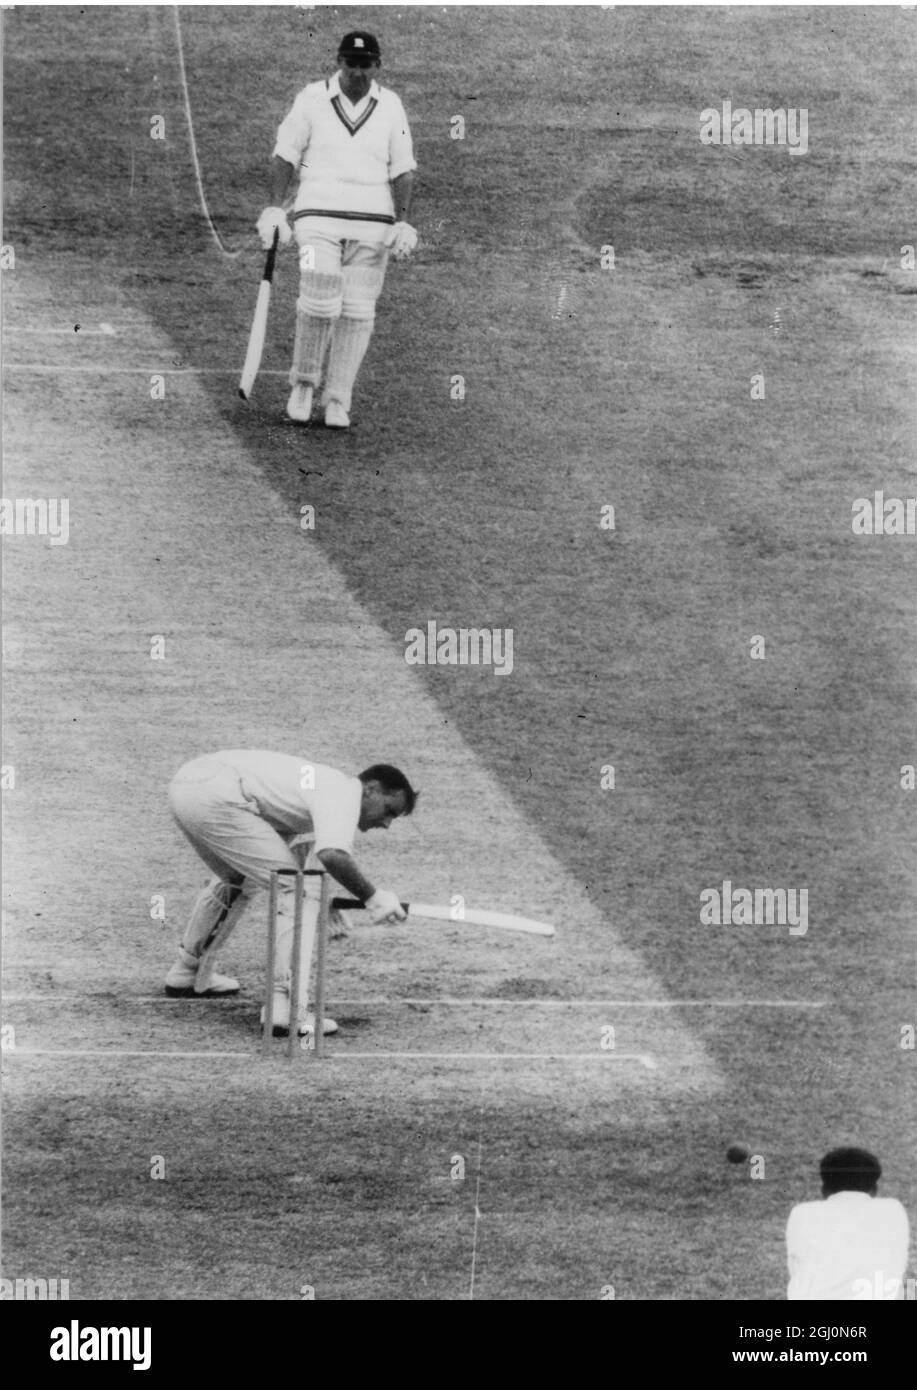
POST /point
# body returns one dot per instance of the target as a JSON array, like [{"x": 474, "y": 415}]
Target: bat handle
[
  {"x": 272, "y": 256},
  {"x": 354, "y": 905}
]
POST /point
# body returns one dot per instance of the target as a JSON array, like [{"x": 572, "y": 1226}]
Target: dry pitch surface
[{"x": 584, "y": 1166}]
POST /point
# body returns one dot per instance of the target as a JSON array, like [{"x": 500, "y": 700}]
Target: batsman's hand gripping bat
[
  {"x": 259, "y": 324},
  {"x": 478, "y": 917}
]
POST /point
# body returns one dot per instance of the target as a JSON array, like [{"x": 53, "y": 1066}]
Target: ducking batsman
[{"x": 242, "y": 811}]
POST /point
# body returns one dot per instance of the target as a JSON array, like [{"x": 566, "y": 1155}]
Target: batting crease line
[
  {"x": 132, "y": 371},
  {"x": 465, "y": 1003},
  {"x": 104, "y": 330},
  {"x": 643, "y": 1058},
  {"x": 592, "y": 1003}
]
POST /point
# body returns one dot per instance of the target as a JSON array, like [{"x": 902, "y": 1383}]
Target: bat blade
[
  {"x": 259, "y": 325},
  {"x": 481, "y": 917},
  {"x": 478, "y": 917}
]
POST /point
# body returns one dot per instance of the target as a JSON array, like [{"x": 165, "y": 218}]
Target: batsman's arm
[
  {"x": 345, "y": 869},
  {"x": 282, "y": 174},
  {"x": 402, "y": 192}
]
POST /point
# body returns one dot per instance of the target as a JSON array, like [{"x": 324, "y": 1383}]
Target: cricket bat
[
  {"x": 478, "y": 917},
  {"x": 259, "y": 324}
]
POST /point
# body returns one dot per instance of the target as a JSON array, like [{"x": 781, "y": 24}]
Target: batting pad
[
  {"x": 362, "y": 287},
  {"x": 348, "y": 348},
  {"x": 309, "y": 348},
  {"x": 320, "y": 295},
  {"x": 218, "y": 907}
]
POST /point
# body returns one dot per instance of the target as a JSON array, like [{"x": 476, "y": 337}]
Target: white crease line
[
  {"x": 593, "y": 1003},
  {"x": 133, "y": 371},
  {"x": 104, "y": 330},
  {"x": 643, "y": 1058},
  {"x": 52, "y": 1052},
  {"x": 52, "y": 998}
]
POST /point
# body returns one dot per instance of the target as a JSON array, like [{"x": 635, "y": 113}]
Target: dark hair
[
  {"x": 391, "y": 779},
  {"x": 850, "y": 1170}
]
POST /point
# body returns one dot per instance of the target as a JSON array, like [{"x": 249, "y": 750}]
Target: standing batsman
[
  {"x": 347, "y": 141},
  {"x": 241, "y": 809}
]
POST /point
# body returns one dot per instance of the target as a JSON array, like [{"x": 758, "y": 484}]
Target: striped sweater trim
[
  {"x": 353, "y": 126},
  {"x": 347, "y": 216}
]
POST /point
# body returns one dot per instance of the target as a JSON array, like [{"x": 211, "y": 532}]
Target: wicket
[{"x": 293, "y": 1039}]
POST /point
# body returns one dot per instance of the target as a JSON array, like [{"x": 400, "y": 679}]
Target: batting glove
[
  {"x": 273, "y": 220},
  {"x": 385, "y": 907},
  {"x": 403, "y": 240}
]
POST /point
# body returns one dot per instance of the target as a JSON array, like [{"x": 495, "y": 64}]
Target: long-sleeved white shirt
[
  {"x": 346, "y": 157},
  {"x": 848, "y": 1246}
]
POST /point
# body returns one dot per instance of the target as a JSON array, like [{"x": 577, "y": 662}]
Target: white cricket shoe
[
  {"x": 336, "y": 417},
  {"x": 299, "y": 406},
  {"x": 281, "y": 1022},
  {"x": 307, "y": 1025},
  {"x": 180, "y": 983}
]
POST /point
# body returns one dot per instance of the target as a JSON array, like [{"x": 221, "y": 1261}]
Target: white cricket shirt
[
  {"x": 848, "y": 1246},
  {"x": 299, "y": 796},
  {"x": 347, "y": 156}
]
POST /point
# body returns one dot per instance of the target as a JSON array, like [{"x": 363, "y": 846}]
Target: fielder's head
[
  {"x": 850, "y": 1170},
  {"x": 387, "y": 794},
  {"x": 358, "y": 60}
]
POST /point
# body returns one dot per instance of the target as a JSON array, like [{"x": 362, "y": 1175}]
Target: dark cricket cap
[{"x": 359, "y": 44}]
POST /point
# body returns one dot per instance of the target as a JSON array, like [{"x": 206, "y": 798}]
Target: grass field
[{"x": 584, "y": 1166}]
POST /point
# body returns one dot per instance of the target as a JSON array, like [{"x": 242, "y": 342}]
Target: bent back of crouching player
[{"x": 243, "y": 810}]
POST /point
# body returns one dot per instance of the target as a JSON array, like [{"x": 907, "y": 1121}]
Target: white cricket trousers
[{"x": 239, "y": 846}]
